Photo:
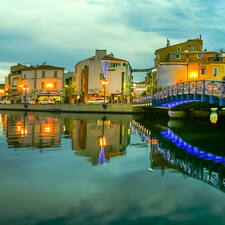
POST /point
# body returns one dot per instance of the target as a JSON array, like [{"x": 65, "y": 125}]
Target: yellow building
[{"x": 187, "y": 62}]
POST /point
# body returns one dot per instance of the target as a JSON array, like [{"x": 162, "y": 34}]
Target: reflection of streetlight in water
[
  {"x": 102, "y": 143},
  {"x": 153, "y": 145},
  {"x": 21, "y": 128}
]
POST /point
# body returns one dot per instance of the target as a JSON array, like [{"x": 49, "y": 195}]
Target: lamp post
[
  {"x": 25, "y": 89},
  {"x": 105, "y": 66},
  {"x": 104, "y": 84}
]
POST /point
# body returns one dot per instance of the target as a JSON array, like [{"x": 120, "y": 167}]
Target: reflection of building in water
[
  {"x": 86, "y": 134},
  {"x": 211, "y": 173},
  {"x": 30, "y": 130}
]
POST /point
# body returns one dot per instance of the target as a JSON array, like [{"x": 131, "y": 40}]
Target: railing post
[
  {"x": 189, "y": 91},
  {"x": 203, "y": 96},
  {"x": 195, "y": 93}
]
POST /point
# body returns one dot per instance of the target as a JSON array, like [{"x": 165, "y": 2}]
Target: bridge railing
[{"x": 206, "y": 87}]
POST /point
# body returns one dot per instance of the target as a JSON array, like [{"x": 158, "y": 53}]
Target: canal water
[{"x": 66, "y": 169}]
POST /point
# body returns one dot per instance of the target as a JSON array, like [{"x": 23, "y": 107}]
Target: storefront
[{"x": 50, "y": 95}]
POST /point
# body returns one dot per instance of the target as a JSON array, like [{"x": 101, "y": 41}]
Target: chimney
[{"x": 99, "y": 54}]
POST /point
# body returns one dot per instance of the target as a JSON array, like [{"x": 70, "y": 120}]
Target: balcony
[{"x": 215, "y": 59}]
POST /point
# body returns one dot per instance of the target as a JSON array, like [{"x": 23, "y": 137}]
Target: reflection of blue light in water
[
  {"x": 170, "y": 105},
  {"x": 175, "y": 139},
  {"x": 101, "y": 156}
]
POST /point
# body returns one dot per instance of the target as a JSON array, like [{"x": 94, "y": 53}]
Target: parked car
[
  {"x": 46, "y": 101},
  {"x": 98, "y": 101},
  {"x": 5, "y": 102}
]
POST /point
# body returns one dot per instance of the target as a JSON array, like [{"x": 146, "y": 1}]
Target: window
[
  {"x": 43, "y": 74},
  {"x": 215, "y": 71},
  {"x": 101, "y": 76},
  {"x": 203, "y": 70},
  {"x": 123, "y": 74},
  {"x": 25, "y": 76},
  {"x": 114, "y": 64},
  {"x": 55, "y": 74},
  {"x": 42, "y": 85},
  {"x": 176, "y": 56},
  {"x": 200, "y": 55},
  {"x": 179, "y": 48}
]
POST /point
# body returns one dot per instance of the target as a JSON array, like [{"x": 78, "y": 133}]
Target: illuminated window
[{"x": 215, "y": 71}]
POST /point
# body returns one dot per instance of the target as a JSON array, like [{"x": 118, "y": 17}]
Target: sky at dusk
[{"x": 63, "y": 32}]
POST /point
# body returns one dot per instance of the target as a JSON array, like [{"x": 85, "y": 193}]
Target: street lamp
[
  {"x": 104, "y": 84},
  {"x": 25, "y": 89}
]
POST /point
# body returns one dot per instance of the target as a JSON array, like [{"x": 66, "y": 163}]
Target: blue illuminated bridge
[{"x": 209, "y": 91}]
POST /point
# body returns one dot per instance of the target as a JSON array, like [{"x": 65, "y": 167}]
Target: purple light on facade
[{"x": 105, "y": 67}]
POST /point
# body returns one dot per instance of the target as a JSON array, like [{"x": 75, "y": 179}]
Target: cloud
[{"x": 66, "y": 31}]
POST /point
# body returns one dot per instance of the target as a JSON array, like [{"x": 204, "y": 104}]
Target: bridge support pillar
[
  {"x": 183, "y": 97},
  {"x": 213, "y": 99},
  {"x": 204, "y": 98},
  {"x": 196, "y": 97},
  {"x": 222, "y": 101},
  {"x": 173, "y": 98},
  {"x": 178, "y": 97},
  {"x": 190, "y": 97}
]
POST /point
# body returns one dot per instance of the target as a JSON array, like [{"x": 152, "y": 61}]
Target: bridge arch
[{"x": 209, "y": 91}]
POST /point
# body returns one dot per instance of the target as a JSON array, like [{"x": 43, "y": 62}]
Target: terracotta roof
[
  {"x": 44, "y": 66},
  {"x": 111, "y": 58}
]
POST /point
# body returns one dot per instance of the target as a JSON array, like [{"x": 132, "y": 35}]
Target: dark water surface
[{"x": 66, "y": 169}]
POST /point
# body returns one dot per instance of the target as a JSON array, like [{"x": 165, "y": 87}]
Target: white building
[
  {"x": 37, "y": 83},
  {"x": 88, "y": 76}
]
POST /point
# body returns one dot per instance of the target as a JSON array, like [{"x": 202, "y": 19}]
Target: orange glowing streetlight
[
  {"x": 104, "y": 84},
  {"x": 2, "y": 92},
  {"x": 102, "y": 141}
]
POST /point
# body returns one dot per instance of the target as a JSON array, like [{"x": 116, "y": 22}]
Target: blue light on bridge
[{"x": 170, "y": 105}]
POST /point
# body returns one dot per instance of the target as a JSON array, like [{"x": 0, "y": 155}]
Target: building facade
[
  {"x": 36, "y": 83},
  {"x": 187, "y": 62},
  {"x": 88, "y": 78},
  {"x": 68, "y": 87}
]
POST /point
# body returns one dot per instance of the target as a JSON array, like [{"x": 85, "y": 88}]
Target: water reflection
[
  {"x": 168, "y": 150},
  {"x": 98, "y": 140},
  {"x": 31, "y": 130}
]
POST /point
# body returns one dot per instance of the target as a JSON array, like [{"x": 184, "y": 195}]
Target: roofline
[
  {"x": 178, "y": 44},
  {"x": 43, "y": 67}
]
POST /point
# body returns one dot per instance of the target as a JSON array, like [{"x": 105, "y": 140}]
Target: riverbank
[{"x": 74, "y": 108}]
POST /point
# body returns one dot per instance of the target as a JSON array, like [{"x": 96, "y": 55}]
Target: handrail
[{"x": 205, "y": 87}]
